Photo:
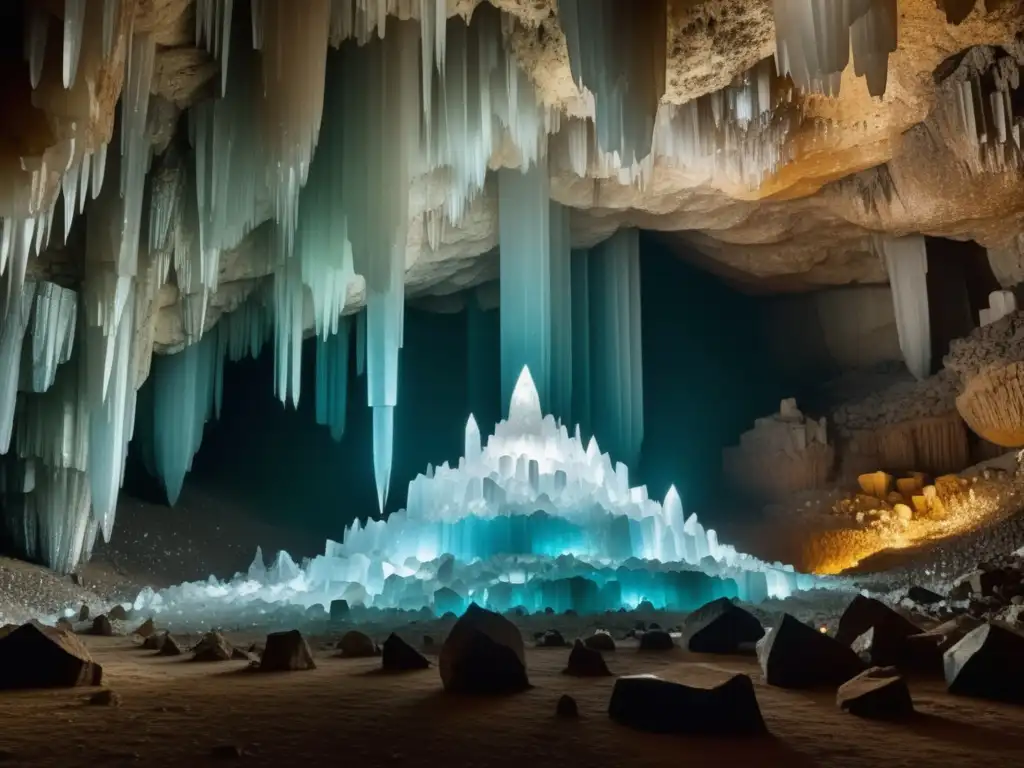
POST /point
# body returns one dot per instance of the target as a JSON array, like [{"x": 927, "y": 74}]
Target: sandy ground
[{"x": 177, "y": 712}]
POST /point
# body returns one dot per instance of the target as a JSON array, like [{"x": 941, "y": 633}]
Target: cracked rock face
[{"x": 859, "y": 166}]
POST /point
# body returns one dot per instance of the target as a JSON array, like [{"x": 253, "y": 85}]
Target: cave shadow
[{"x": 958, "y": 732}]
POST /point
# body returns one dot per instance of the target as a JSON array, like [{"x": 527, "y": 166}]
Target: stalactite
[
  {"x": 582, "y": 410},
  {"x": 617, "y": 51},
  {"x": 50, "y": 336},
  {"x": 17, "y": 312},
  {"x": 906, "y": 261},
  {"x": 36, "y": 30},
  {"x": 213, "y": 27},
  {"x": 332, "y": 380},
  {"x": 74, "y": 30},
  {"x": 561, "y": 315},
  {"x": 814, "y": 38}
]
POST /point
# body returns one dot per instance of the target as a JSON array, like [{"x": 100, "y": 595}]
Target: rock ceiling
[{"x": 860, "y": 165}]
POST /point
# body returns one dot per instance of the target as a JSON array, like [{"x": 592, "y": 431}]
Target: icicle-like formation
[
  {"x": 582, "y": 409},
  {"x": 739, "y": 132},
  {"x": 906, "y": 261},
  {"x": 813, "y": 39},
  {"x": 184, "y": 387},
  {"x": 51, "y": 336},
  {"x": 135, "y": 149},
  {"x": 561, "y": 315},
  {"x": 535, "y": 517},
  {"x": 196, "y": 268},
  {"x": 479, "y": 94},
  {"x": 524, "y": 234},
  {"x": 362, "y": 19},
  {"x": 74, "y": 29},
  {"x": 111, "y": 12},
  {"x": 36, "y": 31},
  {"x": 289, "y": 324},
  {"x": 617, "y": 51},
  {"x": 380, "y": 105},
  {"x": 213, "y": 27},
  {"x": 17, "y": 243},
  {"x": 295, "y": 41},
  {"x": 17, "y": 311},
  {"x": 332, "y": 380}
]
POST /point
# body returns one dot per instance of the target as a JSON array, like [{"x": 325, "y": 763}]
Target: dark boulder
[
  {"x": 987, "y": 663},
  {"x": 117, "y": 613},
  {"x": 357, "y": 645},
  {"x": 286, "y": 652},
  {"x": 551, "y": 638},
  {"x": 600, "y": 641},
  {"x": 567, "y": 707},
  {"x": 145, "y": 629},
  {"x": 721, "y": 626},
  {"x": 656, "y": 640},
  {"x": 34, "y": 656},
  {"x": 878, "y": 693},
  {"x": 398, "y": 656},
  {"x": 155, "y": 641},
  {"x": 339, "y": 610},
  {"x": 863, "y": 613},
  {"x": 923, "y": 596},
  {"x": 170, "y": 647},
  {"x": 483, "y": 653},
  {"x": 101, "y": 627},
  {"x": 649, "y": 703},
  {"x": 586, "y": 662},
  {"x": 793, "y": 655},
  {"x": 212, "y": 647}
]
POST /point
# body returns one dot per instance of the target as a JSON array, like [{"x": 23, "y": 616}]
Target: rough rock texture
[
  {"x": 793, "y": 655},
  {"x": 212, "y": 647},
  {"x": 987, "y": 663},
  {"x": 865, "y": 613},
  {"x": 586, "y": 662},
  {"x": 648, "y": 703},
  {"x": 398, "y": 656},
  {"x": 483, "y": 653},
  {"x": 861, "y": 165},
  {"x": 656, "y": 640},
  {"x": 781, "y": 455},
  {"x": 721, "y": 626},
  {"x": 34, "y": 656},
  {"x": 990, "y": 367},
  {"x": 600, "y": 641},
  {"x": 878, "y": 693},
  {"x": 355, "y": 644},
  {"x": 286, "y": 652}
]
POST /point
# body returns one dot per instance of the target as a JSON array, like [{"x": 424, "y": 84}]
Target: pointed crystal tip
[{"x": 525, "y": 403}]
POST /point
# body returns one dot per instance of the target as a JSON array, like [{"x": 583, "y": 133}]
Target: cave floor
[{"x": 177, "y": 712}]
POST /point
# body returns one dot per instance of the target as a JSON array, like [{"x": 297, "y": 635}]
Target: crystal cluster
[{"x": 533, "y": 517}]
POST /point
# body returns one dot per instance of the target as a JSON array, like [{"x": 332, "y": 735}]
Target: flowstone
[{"x": 533, "y": 518}]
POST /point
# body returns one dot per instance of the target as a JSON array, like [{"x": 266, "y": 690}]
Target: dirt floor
[{"x": 177, "y": 712}]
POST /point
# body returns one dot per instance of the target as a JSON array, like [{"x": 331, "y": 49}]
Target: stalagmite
[
  {"x": 814, "y": 38},
  {"x": 332, "y": 380},
  {"x": 906, "y": 261},
  {"x": 524, "y": 233},
  {"x": 617, "y": 51}
]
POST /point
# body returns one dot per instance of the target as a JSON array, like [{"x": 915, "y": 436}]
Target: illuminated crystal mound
[{"x": 532, "y": 518}]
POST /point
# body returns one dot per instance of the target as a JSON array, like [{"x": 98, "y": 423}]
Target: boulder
[
  {"x": 212, "y": 647},
  {"x": 483, "y": 653},
  {"x": 34, "y": 656},
  {"x": 951, "y": 632},
  {"x": 721, "y": 626},
  {"x": 648, "y": 703},
  {"x": 656, "y": 640},
  {"x": 917, "y": 653},
  {"x": 339, "y": 610},
  {"x": 357, "y": 645},
  {"x": 923, "y": 596},
  {"x": 878, "y": 693},
  {"x": 793, "y": 655},
  {"x": 551, "y": 638},
  {"x": 585, "y": 662},
  {"x": 169, "y": 647},
  {"x": 566, "y": 707},
  {"x": 117, "y": 613},
  {"x": 863, "y": 613},
  {"x": 286, "y": 652},
  {"x": 101, "y": 627},
  {"x": 145, "y": 629},
  {"x": 600, "y": 641},
  {"x": 398, "y": 656},
  {"x": 987, "y": 663},
  {"x": 155, "y": 641},
  {"x": 83, "y": 613}
]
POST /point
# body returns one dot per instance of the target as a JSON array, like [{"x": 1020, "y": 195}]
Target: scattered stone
[
  {"x": 721, "y": 626},
  {"x": 953, "y": 631},
  {"x": 878, "y": 693},
  {"x": 286, "y": 652},
  {"x": 863, "y": 613},
  {"x": 794, "y": 655},
  {"x": 398, "y": 656},
  {"x": 212, "y": 647},
  {"x": 83, "y": 613},
  {"x": 987, "y": 663},
  {"x": 483, "y": 654},
  {"x": 34, "y": 656},
  {"x": 169, "y": 647},
  {"x": 923, "y": 596},
  {"x": 585, "y": 662},
  {"x": 551, "y": 638},
  {"x": 117, "y": 613},
  {"x": 145, "y": 629},
  {"x": 648, "y": 703},
  {"x": 339, "y": 610},
  {"x": 101, "y": 627},
  {"x": 105, "y": 698},
  {"x": 357, "y": 645},
  {"x": 567, "y": 707},
  {"x": 600, "y": 641},
  {"x": 656, "y": 640},
  {"x": 155, "y": 641}
]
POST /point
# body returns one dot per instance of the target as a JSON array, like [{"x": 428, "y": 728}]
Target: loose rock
[
  {"x": 117, "y": 613},
  {"x": 34, "y": 656},
  {"x": 483, "y": 654},
  {"x": 145, "y": 629},
  {"x": 286, "y": 652},
  {"x": 551, "y": 638},
  {"x": 600, "y": 641},
  {"x": 567, "y": 707},
  {"x": 793, "y": 655},
  {"x": 155, "y": 641},
  {"x": 357, "y": 645},
  {"x": 656, "y": 640},
  {"x": 987, "y": 663},
  {"x": 585, "y": 662},
  {"x": 339, "y": 610},
  {"x": 398, "y": 656},
  {"x": 212, "y": 647},
  {"x": 721, "y": 626},
  {"x": 863, "y": 613},
  {"x": 101, "y": 627},
  {"x": 878, "y": 693},
  {"x": 170, "y": 647}
]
